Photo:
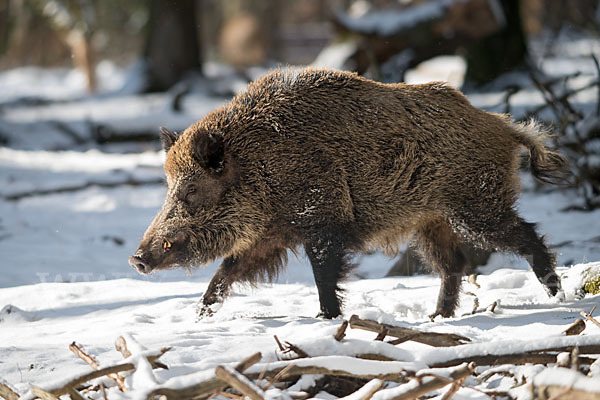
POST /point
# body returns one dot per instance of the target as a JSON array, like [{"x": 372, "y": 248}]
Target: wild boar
[{"x": 340, "y": 164}]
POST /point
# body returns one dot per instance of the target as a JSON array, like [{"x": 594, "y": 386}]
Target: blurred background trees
[
  {"x": 174, "y": 37},
  {"x": 207, "y": 42}
]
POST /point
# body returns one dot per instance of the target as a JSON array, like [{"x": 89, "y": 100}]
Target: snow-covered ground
[{"x": 71, "y": 213}]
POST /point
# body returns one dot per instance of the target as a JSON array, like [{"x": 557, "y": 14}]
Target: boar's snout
[
  {"x": 140, "y": 265},
  {"x": 160, "y": 252}
]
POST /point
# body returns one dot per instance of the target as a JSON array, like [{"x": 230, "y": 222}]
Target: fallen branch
[
  {"x": 454, "y": 388},
  {"x": 367, "y": 391},
  {"x": 75, "y": 395},
  {"x": 316, "y": 366},
  {"x": 64, "y": 389},
  {"x": 341, "y": 331},
  {"x": 114, "y": 369},
  {"x": 203, "y": 388},
  {"x": 292, "y": 347},
  {"x": 590, "y": 318},
  {"x": 239, "y": 382},
  {"x": 119, "y": 380},
  {"x": 574, "y": 386},
  {"x": 575, "y": 328},
  {"x": 426, "y": 385},
  {"x": 7, "y": 393},
  {"x": 406, "y": 334},
  {"x": 546, "y": 356},
  {"x": 43, "y": 394},
  {"x": 121, "y": 347},
  {"x": 564, "y": 393}
]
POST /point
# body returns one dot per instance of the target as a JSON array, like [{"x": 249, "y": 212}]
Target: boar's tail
[{"x": 546, "y": 165}]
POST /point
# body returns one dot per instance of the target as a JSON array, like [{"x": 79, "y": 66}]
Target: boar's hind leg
[
  {"x": 439, "y": 245},
  {"x": 327, "y": 253},
  {"x": 520, "y": 237}
]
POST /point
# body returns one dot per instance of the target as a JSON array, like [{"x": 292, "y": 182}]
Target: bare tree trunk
[
  {"x": 500, "y": 52},
  {"x": 172, "y": 46}
]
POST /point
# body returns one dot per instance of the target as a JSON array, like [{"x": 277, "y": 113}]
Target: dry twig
[
  {"x": 546, "y": 356},
  {"x": 557, "y": 392},
  {"x": 368, "y": 390},
  {"x": 431, "y": 383},
  {"x": 293, "y": 369},
  {"x": 119, "y": 380},
  {"x": 239, "y": 382},
  {"x": 43, "y": 394},
  {"x": 341, "y": 331},
  {"x": 7, "y": 393},
  {"x": 75, "y": 395},
  {"x": 406, "y": 334},
  {"x": 203, "y": 388},
  {"x": 590, "y": 318},
  {"x": 281, "y": 348},
  {"x": 121, "y": 346},
  {"x": 575, "y": 328},
  {"x": 453, "y": 388}
]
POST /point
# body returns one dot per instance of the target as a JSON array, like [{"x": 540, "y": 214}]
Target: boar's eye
[
  {"x": 189, "y": 192},
  {"x": 166, "y": 245}
]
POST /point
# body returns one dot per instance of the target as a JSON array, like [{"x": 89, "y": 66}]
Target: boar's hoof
[
  {"x": 140, "y": 265},
  {"x": 441, "y": 313},
  {"x": 207, "y": 310},
  {"x": 204, "y": 312},
  {"x": 552, "y": 285},
  {"x": 328, "y": 315}
]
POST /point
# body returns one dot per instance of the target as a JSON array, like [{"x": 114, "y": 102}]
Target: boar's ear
[
  {"x": 167, "y": 138},
  {"x": 210, "y": 152}
]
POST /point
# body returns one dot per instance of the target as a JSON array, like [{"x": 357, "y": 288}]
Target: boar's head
[{"x": 203, "y": 216}]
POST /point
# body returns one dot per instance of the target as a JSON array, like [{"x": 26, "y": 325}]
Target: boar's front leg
[
  {"x": 219, "y": 287},
  {"x": 327, "y": 253},
  {"x": 262, "y": 262}
]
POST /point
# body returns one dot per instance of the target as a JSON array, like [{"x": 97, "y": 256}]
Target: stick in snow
[
  {"x": 341, "y": 331},
  {"x": 7, "y": 393},
  {"x": 453, "y": 388},
  {"x": 296, "y": 370},
  {"x": 367, "y": 391},
  {"x": 120, "y": 381},
  {"x": 576, "y": 328},
  {"x": 590, "y": 318},
  {"x": 406, "y": 334},
  {"x": 239, "y": 382},
  {"x": 544, "y": 356},
  {"x": 121, "y": 346},
  {"x": 203, "y": 388},
  {"x": 431, "y": 383},
  {"x": 43, "y": 394},
  {"x": 564, "y": 393}
]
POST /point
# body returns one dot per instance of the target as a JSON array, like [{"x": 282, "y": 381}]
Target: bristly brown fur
[
  {"x": 337, "y": 163},
  {"x": 546, "y": 165}
]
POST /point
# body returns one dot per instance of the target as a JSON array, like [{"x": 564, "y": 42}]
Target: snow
[
  {"x": 453, "y": 71},
  {"x": 388, "y": 22},
  {"x": 567, "y": 378},
  {"x": 65, "y": 275}
]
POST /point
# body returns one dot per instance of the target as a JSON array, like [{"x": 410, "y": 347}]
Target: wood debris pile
[{"x": 298, "y": 375}]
